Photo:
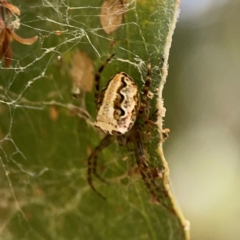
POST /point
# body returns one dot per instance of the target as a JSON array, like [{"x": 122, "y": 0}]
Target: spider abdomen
[{"x": 118, "y": 105}]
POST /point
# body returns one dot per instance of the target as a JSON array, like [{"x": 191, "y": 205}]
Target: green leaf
[{"x": 46, "y": 136}]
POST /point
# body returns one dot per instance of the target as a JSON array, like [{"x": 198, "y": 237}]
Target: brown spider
[{"x": 119, "y": 109}]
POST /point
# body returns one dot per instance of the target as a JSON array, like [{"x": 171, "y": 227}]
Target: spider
[{"x": 119, "y": 110}]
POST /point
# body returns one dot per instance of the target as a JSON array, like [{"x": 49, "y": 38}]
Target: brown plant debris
[
  {"x": 82, "y": 73},
  {"x": 7, "y": 33},
  {"x": 112, "y": 14}
]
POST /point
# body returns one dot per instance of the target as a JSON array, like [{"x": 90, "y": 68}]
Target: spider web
[{"x": 46, "y": 135}]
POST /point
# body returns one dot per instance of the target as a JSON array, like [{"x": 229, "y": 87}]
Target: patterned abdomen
[{"x": 118, "y": 105}]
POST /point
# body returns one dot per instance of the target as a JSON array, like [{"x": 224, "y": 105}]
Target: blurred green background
[{"x": 202, "y": 98}]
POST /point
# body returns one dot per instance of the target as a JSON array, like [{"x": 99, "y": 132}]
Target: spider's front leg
[
  {"x": 142, "y": 164},
  {"x": 148, "y": 175},
  {"x": 92, "y": 162},
  {"x": 97, "y": 78},
  {"x": 146, "y": 87}
]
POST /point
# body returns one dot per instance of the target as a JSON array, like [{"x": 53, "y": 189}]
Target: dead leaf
[
  {"x": 11, "y": 7},
  {"x": 53, "y": 113},
  {"x": 82, "y": 73},
  {"x": 112, "y": 14},
  {"x": 26, "y": 41},
  {"x": 7, "y": 33}
]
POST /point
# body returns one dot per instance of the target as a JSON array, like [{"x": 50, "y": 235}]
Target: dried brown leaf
[
  {"x": 7, "y": 33},
  {"x": 82, "y": 73},
  {"x": 11, "y": 7},
  {"x": 112, "y": 14},
  {"x": 2, "y": 32},
  {"x": 54, "y": 113},
  {"x": 26, "y": 41},
  {"x": 8, "y": 56},
  {"x": 5, "y": 48},
  {"x": 58, "y": 32}
]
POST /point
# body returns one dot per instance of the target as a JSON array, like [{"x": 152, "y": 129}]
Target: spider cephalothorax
[{"x": 119, "y": 107}]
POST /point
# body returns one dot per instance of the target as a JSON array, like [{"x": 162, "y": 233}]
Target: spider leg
[
  {"x": 152, "y": 118},
  {"x": 97, "y": 78},
  {"x": 92, "y": 162},
  {"x": 94, "y": 168},
  {"x": 145, "y": 89},
  {"x": 142, "y": 165},
  {"x": 148, "y": 176}
]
